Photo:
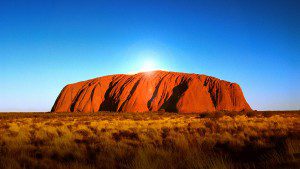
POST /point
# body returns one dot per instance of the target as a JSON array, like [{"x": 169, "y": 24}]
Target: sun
[{"x": 148, "y": 65}]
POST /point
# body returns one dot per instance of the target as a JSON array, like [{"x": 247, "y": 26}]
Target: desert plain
[{"x": 254, "y": 139}]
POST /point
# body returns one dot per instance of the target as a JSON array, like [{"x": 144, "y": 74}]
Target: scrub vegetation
[{"x": 150, "y": 140}]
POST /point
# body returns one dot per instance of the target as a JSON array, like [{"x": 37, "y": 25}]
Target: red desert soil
[{"x": 152, "y": 91}]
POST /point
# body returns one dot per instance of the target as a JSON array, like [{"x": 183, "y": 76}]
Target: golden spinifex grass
[{"x": 149, "y": 140}]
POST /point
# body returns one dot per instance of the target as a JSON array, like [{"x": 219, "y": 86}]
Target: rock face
[{"x": 151, "y": 91}]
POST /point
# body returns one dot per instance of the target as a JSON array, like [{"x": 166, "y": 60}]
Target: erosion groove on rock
[{"x": 151, "y": 91}]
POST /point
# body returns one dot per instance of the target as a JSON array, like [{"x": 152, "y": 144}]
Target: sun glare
[
  {"x": 148, "y": 66},
  {"x": 148, "y": 62}
]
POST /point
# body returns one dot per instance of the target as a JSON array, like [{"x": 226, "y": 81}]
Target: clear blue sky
[{"x": 45, "y": 45}]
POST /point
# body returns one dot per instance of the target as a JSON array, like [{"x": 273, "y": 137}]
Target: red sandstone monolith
[{"x": 152, "y": 91}]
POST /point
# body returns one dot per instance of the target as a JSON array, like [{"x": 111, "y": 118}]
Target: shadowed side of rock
[{"x": 151, "y": 91}]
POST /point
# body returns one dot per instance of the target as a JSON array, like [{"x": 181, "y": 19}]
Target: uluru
[{"x": 152, "y": 91}]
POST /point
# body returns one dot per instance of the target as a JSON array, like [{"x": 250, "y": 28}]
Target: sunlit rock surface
[{"x": 151, "y": 91}]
